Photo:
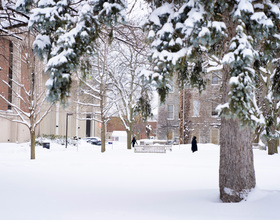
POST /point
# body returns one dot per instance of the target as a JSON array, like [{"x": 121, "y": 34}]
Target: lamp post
[{"x": 67, "y": 114}]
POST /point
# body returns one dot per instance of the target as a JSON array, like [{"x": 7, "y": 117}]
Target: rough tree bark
[
  {"x": 130, "y": 124},
  {"x": 32, "y": 144},
  {"x": 272, "y": 146},
  {"x": 103, "y": 124},
  {"x": 272, "y": 143},
  {"x": 236, "y": 173},
  {"x": 103, "y": 135},
  {"x": 128, "y": 133}
]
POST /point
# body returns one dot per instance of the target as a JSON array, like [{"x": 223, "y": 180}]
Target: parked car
[
  {"x": 175, "y": 141},
  {"x": 93, "y": 140}
]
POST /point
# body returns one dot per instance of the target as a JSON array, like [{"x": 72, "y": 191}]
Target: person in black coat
[
  {"x": 133, "y": 141},
  {"x": 194, "y": 145}
]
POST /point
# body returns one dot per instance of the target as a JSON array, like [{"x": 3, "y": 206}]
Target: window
[
  {"x": 10, "y": 91},
  {"x": 170, "y": 112},
  {"x": 195, "y": 108},
  {"x": 88, "y": 126},
  {"x": 170, "y": 135},
  {"x": 171, "y": 86},
  {"x": 215, "y": 79}
]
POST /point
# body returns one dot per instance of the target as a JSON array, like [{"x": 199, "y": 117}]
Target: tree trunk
[
  {"x": 32, "y": 147},
  {"x": 272, "y": 143},
  {"x": 272, "y": 146},
  {"x": 130, "y": 123},
  {"x": 103, "y": 136},
  {"x": 236, "y": 173},
  {"x": 128, "y": 133}
]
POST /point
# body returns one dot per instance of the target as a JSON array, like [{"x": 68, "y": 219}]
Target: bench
[
  {"x": 152, "y": 142},
  {"x": 152, "y": 148}
]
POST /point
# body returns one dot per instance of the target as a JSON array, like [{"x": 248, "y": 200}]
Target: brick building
[
  {"x": 198, "y": 116},
  {"x": 187, "y": 113},
  {"x": 139, "y": 128},
  {"x": 14, "y": 72},
  {"x": 168, "y": 114}
]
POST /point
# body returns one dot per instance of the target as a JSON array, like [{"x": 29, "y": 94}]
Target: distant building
[
  {"x": 120, "y": 136},
  {"x": 198, "y": 116},
  {"x": 114, "y": 124},
  {"x": 80, "y": 118},
  {"x": 12, "y": 70},
  {"x": 168, "y": 115},
  {"x": 12, "y": 67},
  {"x": 139, "y": 128},
  {"x": 188, "y": 113}
]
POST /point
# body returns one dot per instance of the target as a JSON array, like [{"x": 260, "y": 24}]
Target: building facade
[
  {"x": 187, "y": 113},
  {"x": 11, "y": 71},
  {"x": 139, "y": 128},
  {"x": 15, "y": 77},
  {"x": 168, "y": 114},
  {"x": 198, "y": 115}
]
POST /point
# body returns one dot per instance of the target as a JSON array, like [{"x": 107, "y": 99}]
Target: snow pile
[{"x": 82, "y": 183}]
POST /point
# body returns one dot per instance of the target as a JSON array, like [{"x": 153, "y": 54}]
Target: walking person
[
  {"x": 194, "y": 144},
  {"x": 133, "y": 141}
]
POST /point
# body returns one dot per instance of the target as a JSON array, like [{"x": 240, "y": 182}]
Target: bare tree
[
  {"x": 27, "y": 105},
  {"x": 96, "y": 86},
  {"x": 12, "y": 22},
  {"x": 130, "y": 55},
  {"x": 268, "y": 98}
]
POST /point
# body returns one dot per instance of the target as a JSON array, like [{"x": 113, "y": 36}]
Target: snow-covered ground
[{"x": 84, "y": 184}]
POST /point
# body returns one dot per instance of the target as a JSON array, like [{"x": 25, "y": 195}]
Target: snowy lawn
[{"x": 84, "y": 184}]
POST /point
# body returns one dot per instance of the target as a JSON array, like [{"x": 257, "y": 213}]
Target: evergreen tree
[
  {"x": 241, "y": 35},
  {"x": 67, "y": 31}
]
